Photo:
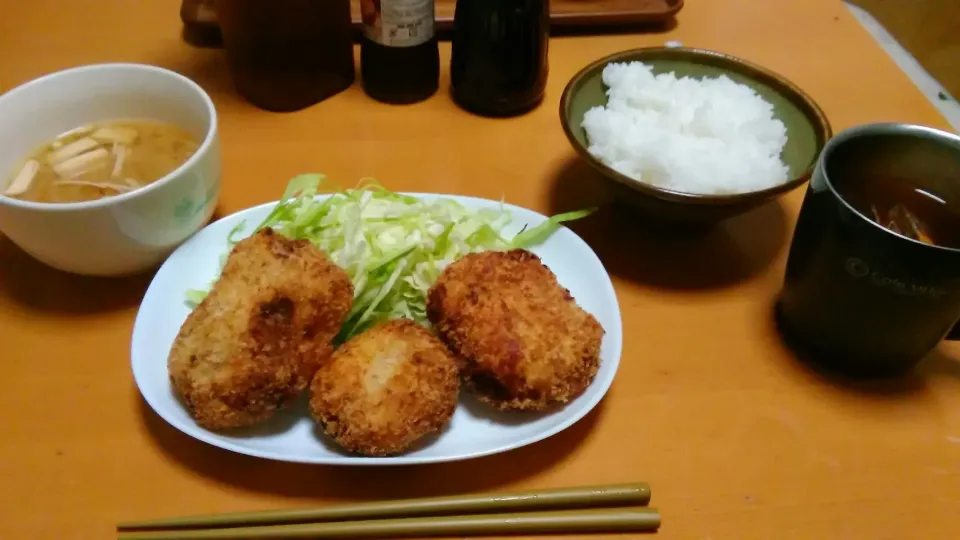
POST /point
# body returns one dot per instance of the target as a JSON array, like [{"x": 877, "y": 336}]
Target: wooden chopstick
[
  {"x": 635, "y": 494},
  {"x": 563, "y": 521}
]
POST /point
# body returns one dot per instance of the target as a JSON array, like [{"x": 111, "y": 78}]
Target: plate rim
[{"x": 212, "y": 439}]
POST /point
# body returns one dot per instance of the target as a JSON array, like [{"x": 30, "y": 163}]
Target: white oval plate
[{"x": 292, "y": 435}]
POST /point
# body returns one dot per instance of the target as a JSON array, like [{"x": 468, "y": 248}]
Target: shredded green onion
[{"x": 392, "y": 246}]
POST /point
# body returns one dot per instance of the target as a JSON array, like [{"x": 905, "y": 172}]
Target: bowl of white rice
[{"x": 692, "y": 135}]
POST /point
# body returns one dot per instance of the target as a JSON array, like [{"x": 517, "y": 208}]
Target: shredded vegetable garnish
[{"x": 392, "y": 246}]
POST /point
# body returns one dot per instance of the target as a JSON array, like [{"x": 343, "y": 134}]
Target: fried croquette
[
  {"x": 523, "y": 341},
  {"x": 385, "y": 389},
  {"x": 254, "y": 343}
]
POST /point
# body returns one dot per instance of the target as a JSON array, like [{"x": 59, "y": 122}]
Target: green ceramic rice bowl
[{"x": 807, "y": 130}]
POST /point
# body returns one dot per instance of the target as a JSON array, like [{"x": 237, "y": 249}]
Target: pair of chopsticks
[{"x": 595, "y": 509}]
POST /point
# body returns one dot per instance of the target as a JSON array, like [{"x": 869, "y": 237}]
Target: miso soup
[{"x": 100, "y": 160}]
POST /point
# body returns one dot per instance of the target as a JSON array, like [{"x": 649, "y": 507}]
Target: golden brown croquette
[
  {"x": 254, "y": 343},
  {"x": 523, "y": 341},
  {"x": 385, "y": 389}
]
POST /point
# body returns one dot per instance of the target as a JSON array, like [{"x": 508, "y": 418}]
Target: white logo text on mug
[{"x": 859, "y": 269}]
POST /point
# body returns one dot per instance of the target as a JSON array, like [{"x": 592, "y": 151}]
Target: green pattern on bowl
[{"x": 189, "y": 207}]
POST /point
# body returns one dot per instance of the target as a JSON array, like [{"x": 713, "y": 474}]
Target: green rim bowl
[{"x": 807, "y": 131}]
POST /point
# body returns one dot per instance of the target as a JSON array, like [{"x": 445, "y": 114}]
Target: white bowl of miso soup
[{"x": 105, "y": 169}]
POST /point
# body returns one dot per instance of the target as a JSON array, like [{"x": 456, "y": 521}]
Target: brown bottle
[
  {"x": 200, "y": 25},
  {"x": 399, "y": 55},
  {"x": 286, "y": 55}
]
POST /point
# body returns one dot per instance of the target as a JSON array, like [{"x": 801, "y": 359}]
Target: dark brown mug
[{"x": 858, "y": 297}]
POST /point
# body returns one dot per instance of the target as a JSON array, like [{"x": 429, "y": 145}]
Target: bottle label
[{"x": 397, "y": 23}]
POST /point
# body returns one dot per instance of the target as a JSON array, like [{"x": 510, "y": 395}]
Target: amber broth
[{"x": 100, "y": 160}]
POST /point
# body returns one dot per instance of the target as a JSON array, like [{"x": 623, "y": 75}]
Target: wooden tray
[
  {"x": 566, "y": 16},
  {"x": 573, "y": 14}
]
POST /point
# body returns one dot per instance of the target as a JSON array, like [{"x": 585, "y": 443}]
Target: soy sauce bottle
[
  {"x": 499, "y": 60},
  {"x": 399, "y": 56}
]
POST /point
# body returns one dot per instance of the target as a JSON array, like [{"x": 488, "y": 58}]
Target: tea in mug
[{"x": 904, "y": 208}]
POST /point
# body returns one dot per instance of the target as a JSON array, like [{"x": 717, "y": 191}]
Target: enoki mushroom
[{"x": 115, "y": 187}]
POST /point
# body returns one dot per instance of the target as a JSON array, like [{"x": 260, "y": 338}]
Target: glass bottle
[
  {"x": 399, "y": 56},
  {"x": 499, "y": 60},
  {"x": 200, "y": 25}
]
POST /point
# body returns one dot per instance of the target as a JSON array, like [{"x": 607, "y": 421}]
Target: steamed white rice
[{"x": 705, "y": 136}]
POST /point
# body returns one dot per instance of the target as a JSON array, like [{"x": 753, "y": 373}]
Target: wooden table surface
[{"x": 738, "y": 440}]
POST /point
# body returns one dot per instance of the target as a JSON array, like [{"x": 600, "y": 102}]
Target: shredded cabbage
[{"x": 392, "y": 246}]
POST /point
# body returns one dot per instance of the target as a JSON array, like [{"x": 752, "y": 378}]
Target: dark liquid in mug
[{"x": 905, "y": 209}]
